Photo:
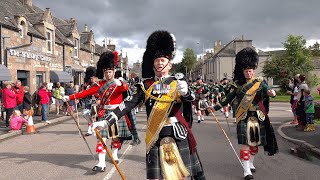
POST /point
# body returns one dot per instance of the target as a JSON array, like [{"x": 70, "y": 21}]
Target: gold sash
[
  {"x": 159, "y": 113},
  {"x": 246, "y": 101}
]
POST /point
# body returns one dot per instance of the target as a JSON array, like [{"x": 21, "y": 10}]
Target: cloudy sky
[{"x": 196, "y": 24}]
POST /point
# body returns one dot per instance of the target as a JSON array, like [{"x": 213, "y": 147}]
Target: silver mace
[
  {"x": 72, "y": 114},
  {"x": 225, "y": 134}
]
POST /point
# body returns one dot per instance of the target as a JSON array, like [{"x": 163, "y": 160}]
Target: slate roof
[{"x": 34, "y": 15}]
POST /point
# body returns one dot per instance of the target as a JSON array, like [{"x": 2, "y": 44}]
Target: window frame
[
  {"x": 49, "y": 40},
  {"x": 76, "y": 48}
]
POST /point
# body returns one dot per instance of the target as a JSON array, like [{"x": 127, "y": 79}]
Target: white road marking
[{"x": 113, "y": 169}]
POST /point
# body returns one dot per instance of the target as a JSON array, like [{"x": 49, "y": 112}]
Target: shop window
[
  {"x": 40, "y": 78},
  {"x": 49, "y": 41},
  {"x": 76, "y": 48}
]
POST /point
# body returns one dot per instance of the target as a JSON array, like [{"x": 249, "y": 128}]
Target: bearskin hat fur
[
  {"x": 247, "y": 58},
  {"x": 159, "y": 44},
  {"x": 107, "y": 60},
  {"x": 90, "y": 72}
]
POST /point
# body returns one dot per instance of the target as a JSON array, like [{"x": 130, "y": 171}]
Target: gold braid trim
[{"x": 153, "y": 97}]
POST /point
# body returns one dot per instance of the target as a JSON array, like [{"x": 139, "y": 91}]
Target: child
[
  {"x": 309, "y": 109},
  {"x": 203, "y": 106},
  {"x": 17, "y": 120}
]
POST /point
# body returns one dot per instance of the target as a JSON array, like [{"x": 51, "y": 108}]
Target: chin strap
[{"x": 161, "y": 69}]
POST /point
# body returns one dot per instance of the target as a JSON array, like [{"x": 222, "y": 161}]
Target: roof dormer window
[
  {"x": 49, "y": 40},
  {"x": 22, "y": 29}
]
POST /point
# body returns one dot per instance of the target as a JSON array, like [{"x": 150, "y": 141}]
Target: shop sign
[{"x": 29, "y": 55}]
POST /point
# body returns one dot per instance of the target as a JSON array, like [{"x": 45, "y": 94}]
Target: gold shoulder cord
[{"x": 153, "y": 97}]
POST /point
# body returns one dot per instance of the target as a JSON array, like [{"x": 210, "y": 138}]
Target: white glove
[
  {"x": 65, "y": 98},
  {"x": 182, "y": 87},
  {"x": 118, "y": 82},
  {"x": 100, "y": 125},
  {"x": 272, "y": 93}
]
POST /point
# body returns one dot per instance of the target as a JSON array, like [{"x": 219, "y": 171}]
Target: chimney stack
[
  {"x": 27, "y": 2},
  {"x": 85, "y": 28}
]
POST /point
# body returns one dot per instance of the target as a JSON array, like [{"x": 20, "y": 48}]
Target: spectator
[
  {"x": 301, "y": 102},
  {"x": 27, "y": 102},
  {"x": 18, "y": 89},
  {"x": 9, "y": 100},
  {"x": 318, "y": 90},
  {"x": 58, "y": 93},
  {"x": 17, "y": 121},
  {"x": 294, "y": 100},
  {"x": 69, "y": 90},
  {"x": 309, "y": 110},
  {"x": 44, "y": 96}
]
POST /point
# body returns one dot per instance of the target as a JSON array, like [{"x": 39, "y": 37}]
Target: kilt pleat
[
  {"x": 242, "y": 132},
  {"x": 123, "y": 129},
  {"x": 191, "y": 161}
]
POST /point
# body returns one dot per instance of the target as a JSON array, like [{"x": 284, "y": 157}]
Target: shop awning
[
  {"x": 5, "y": 74},
  {"x": 60, "y": 76}
]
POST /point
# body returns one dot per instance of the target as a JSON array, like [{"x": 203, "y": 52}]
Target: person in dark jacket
[
  {"x": 27, "y": 102},
  {"x": 68, "y": 91}
]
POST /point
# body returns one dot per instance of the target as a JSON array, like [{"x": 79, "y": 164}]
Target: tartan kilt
[
  {"x": 242, "y": 132},
  {"x": 191, "y": 161},
  {"x": 123, "y": 130}
]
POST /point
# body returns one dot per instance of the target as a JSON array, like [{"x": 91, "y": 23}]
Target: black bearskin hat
[
  {"x": 90, "y": 72},
  {"x": 247, "y": 58},
  {"x": 159, "y": 44},
  {"x": 107, "y": 60}
]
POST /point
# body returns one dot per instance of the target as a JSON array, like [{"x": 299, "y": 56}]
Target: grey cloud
[{"x": 267, "y": 23}]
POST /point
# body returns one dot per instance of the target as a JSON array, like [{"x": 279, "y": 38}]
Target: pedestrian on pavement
[
  {"x": 309, "y": 110},
  {"x": 169, "y": 155},
  {"x": 17, "y": 121},
  {"x": 253, "y": 124},
  {"x": 294, "y": 99},
  {"x": 110, "y": 96},
  {"x": 301, "y": 102},
  {"x": 58, "y": 93},
  {"x": 68, "y": 91},
  {"x": 9, "y": 100},
  {"x": 27, "y": 103},
  {"x": 18, "y": 89},
  {"x": 44, "y": 96}
]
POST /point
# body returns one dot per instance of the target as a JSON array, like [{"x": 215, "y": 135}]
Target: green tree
[
  {"x": 188, "y": 60},
  {"x": 295, "y": 60},
  {"x": 176, "y": 68}
]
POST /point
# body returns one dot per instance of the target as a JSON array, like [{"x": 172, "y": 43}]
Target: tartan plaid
[
  {"x": 242, "y": 132},
  {"x": 191, "y": 161},
  {"x": 123, "y": 130}
]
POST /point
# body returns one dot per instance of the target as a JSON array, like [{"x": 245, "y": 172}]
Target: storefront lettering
[{"x": 29, "y": 55}]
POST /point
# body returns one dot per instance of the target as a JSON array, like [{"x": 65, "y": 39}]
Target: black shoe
[
  {"x": 248, "y": 177},
  {"x": 253, "y": 170},
  {"x": 199, "y": 121},
  {"x": 135, "y": 142},
  {"x": 99, "y": 169},
  {"x": 88, "y": 134}
]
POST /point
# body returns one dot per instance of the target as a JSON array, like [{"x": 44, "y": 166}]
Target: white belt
[
  {"x": 170, "y": 121},
  {"x": 110, "y": 106}
]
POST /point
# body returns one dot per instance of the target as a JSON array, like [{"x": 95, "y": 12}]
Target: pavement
[{"x": 310, "y": 141}]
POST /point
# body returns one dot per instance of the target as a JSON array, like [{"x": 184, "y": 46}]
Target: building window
[
  {"x": 92, "y": 52},
  {"x": 76, "y": 48},
  {"x": 49, "y": 40},
  {"x": 22, "y": 27}
]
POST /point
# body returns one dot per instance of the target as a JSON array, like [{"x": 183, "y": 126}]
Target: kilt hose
[
  {"x": 242, "y": 132},
  {"x": 191, "y": 161}
]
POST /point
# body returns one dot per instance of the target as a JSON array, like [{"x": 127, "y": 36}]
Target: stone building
[
  {"x": 38, "y": 47},
  {"x": 220, "y": 63}
]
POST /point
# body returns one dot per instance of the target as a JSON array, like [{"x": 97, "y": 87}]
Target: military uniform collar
[{"x": 161, "y": 78}]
